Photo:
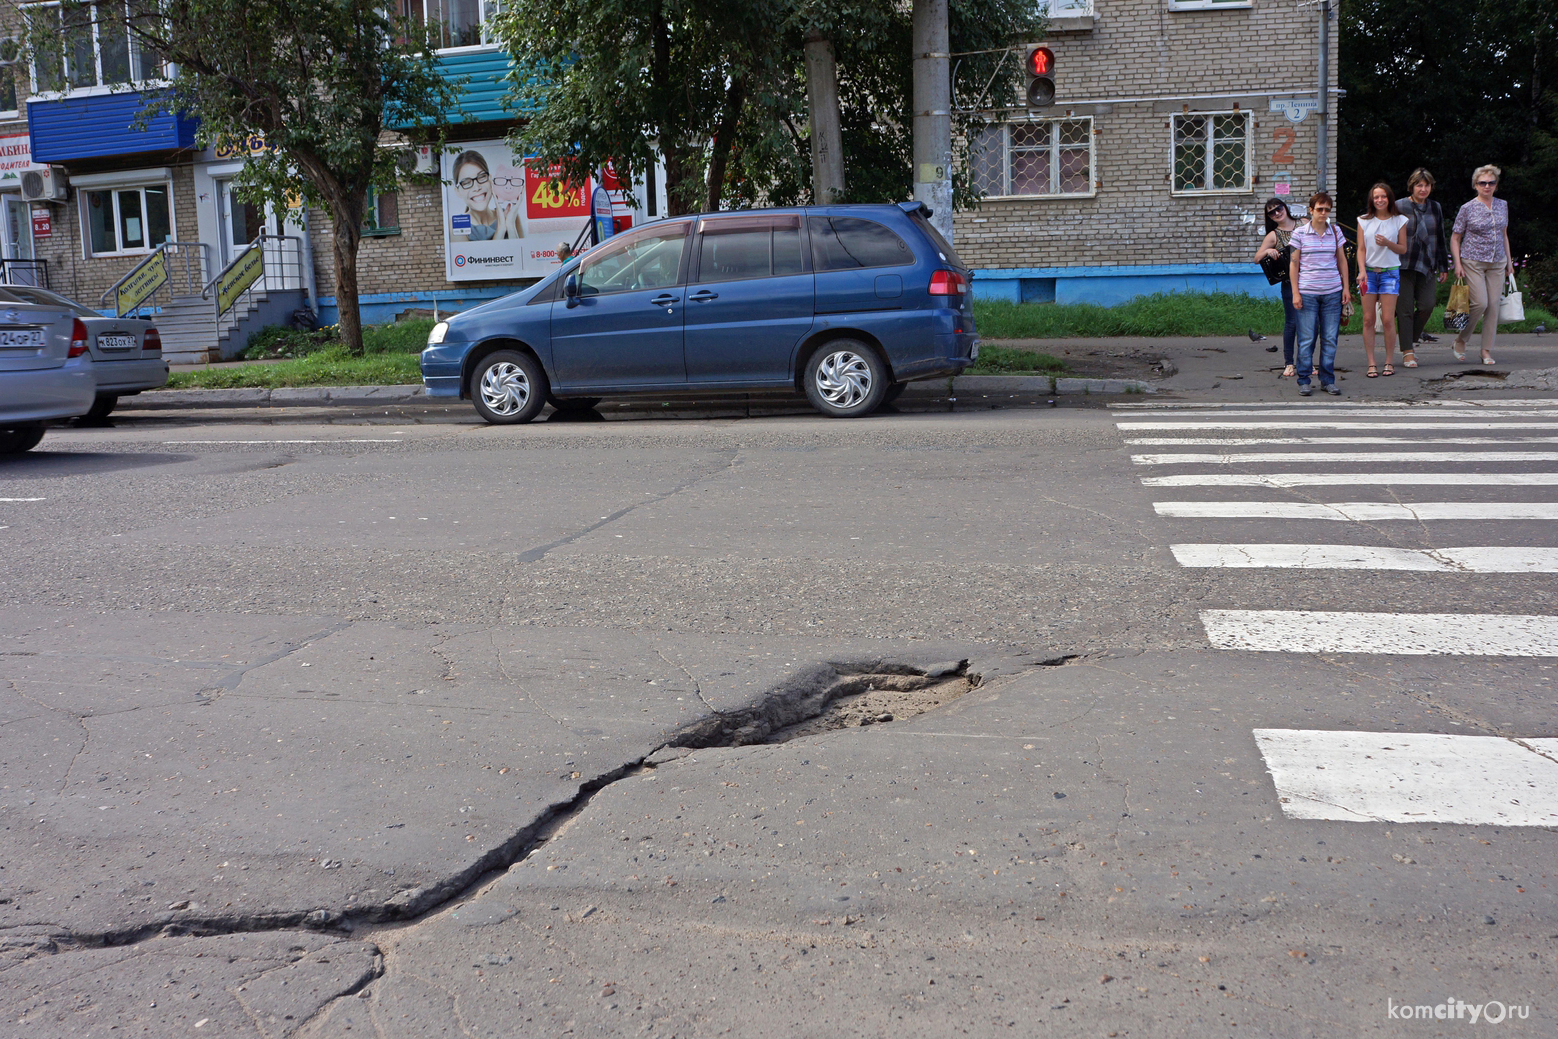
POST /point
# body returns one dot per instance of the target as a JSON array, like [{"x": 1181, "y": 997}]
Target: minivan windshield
[{"x": 945, "y": 247}]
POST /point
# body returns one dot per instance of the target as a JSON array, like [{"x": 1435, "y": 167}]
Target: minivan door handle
[
  {"x": 665, "y": 299},
  {"x": 702, "y": 296}
]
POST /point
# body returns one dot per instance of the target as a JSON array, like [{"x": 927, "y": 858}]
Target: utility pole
[
  {"x": 933, "y": 112},
  {"x": 822, "y": 106},
  {"x": 1325, "y": 95}
]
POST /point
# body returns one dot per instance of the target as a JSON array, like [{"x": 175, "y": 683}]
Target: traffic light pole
[{"x": 933, "y": 112}]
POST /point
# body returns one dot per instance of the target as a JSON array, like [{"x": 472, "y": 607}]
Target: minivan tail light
[
  {"x": 153, "y": 341},
  {"x": 948, "y": 283},
  {"x": 78, "y": 338}
]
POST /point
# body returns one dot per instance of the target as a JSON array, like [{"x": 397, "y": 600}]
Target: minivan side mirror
[{"x": 571, "y": 289}]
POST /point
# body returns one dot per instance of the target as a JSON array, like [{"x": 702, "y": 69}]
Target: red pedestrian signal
[{"x": 1041, "y": 77}]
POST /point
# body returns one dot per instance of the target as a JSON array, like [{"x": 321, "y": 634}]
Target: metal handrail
[
  {"x": 36, "y": 264},
  {"x": 162, "y": 252},
  {"x": 302, "y": 259}
]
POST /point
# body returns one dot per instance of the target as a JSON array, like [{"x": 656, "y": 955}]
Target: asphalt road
[{"x": 328, "y": 722}]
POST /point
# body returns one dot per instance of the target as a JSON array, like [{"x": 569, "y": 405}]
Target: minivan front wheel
[
  {"x": 846, "y": 379},
  {"x": 508, "y": 387}
]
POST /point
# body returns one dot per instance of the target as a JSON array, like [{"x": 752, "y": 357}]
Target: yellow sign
[
  {"x": 142, "y": 282},
  {"x": 245, "y": 271},
  {"x": 240, "y": 147}
]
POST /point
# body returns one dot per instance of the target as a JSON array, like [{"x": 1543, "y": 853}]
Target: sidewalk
[{"x": 1214, "y": 366}]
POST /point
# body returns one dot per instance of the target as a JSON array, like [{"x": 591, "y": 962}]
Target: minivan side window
[
  {"x": 846, "y": 242},
  {"x": 737, "y": 249},
  {"x": 650, "y": 259}
]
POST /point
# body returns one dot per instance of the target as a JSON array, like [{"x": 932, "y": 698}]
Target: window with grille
[
  {"x": 1054, "y": 157},
  {"x": 1211, "y": 152}
]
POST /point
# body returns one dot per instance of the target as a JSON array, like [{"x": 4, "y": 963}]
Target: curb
[
  {"x": 283, "y": 396},
  {"x": 1024, "y": 385}
]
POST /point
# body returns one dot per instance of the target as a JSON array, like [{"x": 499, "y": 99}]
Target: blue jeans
[
  {"x": 1289, "y": 322},
  {"x": 1319, "y": 322}
]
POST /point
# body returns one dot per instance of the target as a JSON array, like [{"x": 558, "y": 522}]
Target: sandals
[
  {"x": 1458, "y": 353},
  {"x": 1409, "y": 360},
  {"x": 1390, "y": 369},
  {"x": 1373, "y": 373},
  {"x": 1288, "y": 372},
  {"x": 1487, "y": 358}
]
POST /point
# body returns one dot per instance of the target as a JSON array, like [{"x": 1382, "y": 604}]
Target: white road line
[
  {"x": 342, "y": 441},
  {"x": 23, "y": 499},
  {"x": 1290, "y": 426},
  {"x": 1293, "y": 418},
  {"x": 1359, "y": 511},
  {"x": 1325, "y": 441},
  {"x": 1335, "y": 479},
  {"x": 1477, "y": 559},
  {"x": 1254, "y": 457},
  {"x": 1404, "y": 634},
  {"x": 1400, "y": 777}
]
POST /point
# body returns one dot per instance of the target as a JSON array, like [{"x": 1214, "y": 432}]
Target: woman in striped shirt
[{"x": 1319, "y": 276}]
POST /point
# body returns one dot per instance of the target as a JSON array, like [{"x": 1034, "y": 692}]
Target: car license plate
[
  {"x": 112, "y": 341},
  {"x": 21, "y": 337}
]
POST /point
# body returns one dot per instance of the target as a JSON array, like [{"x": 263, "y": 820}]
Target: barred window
[
  {"x": 1211, "y": 152},
  {"x": 1054, "y": 157}
]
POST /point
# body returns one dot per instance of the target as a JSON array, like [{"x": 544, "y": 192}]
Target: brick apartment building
[
  {"x": 1171, "y": 126},
  {"x": 1147, "y": 174}
]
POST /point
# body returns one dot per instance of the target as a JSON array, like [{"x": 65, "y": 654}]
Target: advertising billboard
[{"x": 504, "y": 216}]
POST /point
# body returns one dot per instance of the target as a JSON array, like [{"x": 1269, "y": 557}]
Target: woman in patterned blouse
[{"x": 1480, "y": 245}]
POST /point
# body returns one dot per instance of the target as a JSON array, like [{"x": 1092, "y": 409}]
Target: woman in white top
[{"x": 1382, "y": 241}]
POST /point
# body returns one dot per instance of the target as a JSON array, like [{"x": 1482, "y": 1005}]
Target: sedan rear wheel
[
  {"x": 23, "y": 436},
  {"x": 846, "y": 379},
  {"x": 508, "y": 387},
  {"x": 102, "y": 406}
]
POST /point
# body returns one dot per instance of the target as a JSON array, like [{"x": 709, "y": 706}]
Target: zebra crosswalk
[{"x": 1465, "y": 459}]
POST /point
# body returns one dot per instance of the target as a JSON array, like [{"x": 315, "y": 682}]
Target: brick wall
[{"x": 1140, "y": 49}]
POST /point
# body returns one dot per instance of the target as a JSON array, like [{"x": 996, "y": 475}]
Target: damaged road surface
[{"x": 781, "y": 727}]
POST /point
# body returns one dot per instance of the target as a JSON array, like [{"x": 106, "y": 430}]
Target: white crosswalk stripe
[
  {"x": 1266, "y": 457},
  {"x": 1358, "y": 511},
  {"x": 1390, "y": 777}
]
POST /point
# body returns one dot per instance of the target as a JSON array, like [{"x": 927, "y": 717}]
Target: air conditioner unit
[
  {"x": 419, "y": 158},
  {"x": 45, "y": 184}
]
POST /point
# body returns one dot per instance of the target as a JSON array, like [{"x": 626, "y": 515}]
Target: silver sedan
[{"x": 126, "y": 352}]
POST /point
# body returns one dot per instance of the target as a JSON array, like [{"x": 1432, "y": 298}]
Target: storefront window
[{"x": 124, "y": 220}]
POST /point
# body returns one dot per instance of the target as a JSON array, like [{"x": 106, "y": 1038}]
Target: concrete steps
[{"x": 191, "y": 333}]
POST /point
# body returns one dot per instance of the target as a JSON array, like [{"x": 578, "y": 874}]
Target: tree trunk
[
  {"x": 724, "y": 138},
  {"x": 345, "y": 236},
  {"x": 822, "y": 106}
]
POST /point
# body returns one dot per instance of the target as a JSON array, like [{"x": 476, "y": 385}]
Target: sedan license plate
[
  {"x": 116, "y": 341},
  {"x": 14, "y": 337}
]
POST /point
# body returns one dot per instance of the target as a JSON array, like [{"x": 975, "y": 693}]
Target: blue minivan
[{"x": 845, "y": 304}]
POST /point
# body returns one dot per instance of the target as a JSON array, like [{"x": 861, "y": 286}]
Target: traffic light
[{"x": 1041, "y": 77}]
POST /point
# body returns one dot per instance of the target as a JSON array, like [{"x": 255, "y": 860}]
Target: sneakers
[
  {"x": 1305, "y": 390},
  {"x": 1334, "y": 390}
]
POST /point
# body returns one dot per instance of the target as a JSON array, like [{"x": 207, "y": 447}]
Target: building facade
[{"x": 1173, "y": 122}]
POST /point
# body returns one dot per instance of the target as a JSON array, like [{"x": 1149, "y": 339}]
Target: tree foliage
[
  {"x": 719, "y": 89},
  {"x": 321, "y": 81},
  {"x": 1451, "y": 85}
]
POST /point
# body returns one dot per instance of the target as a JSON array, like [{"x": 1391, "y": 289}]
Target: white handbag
[{"x": 1511, "y": 306}]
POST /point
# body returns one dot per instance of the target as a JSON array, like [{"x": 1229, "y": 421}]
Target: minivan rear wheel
[
  {"x": 23, "y": 436},
  {"x": 846, "y": 379},
  {"x": 508, "y": 387}
]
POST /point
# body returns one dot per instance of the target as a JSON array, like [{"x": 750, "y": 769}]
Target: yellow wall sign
[
  {"x": 240, "y": 147},
  {"x": 146, "y": 279},
  {"x": 245, "y": 271}
]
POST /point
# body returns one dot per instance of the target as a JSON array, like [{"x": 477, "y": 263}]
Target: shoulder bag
[
  {"x": 1511, "y": 306},
  {"x": 1276, "y": 267}
]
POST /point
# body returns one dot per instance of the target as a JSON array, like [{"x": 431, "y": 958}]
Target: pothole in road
[{"x": 885, "y": 698}]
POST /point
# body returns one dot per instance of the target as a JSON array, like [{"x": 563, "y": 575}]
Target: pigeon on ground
[
  {"x": 1540, "y": 329},
  {"x": 1255, "y": 336}
]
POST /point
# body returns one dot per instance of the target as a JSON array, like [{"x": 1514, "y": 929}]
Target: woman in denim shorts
[{"x": 1382, "y": 241}]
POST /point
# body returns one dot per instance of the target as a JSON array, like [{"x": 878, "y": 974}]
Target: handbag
[
  {"x": 1511, "y": 306},
  {"x": 1458, "y": 310},
  {"x": 1276, "y": 267}
]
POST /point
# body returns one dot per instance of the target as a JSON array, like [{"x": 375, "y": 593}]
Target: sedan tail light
[
  {"x": 948, "y": 283},
  {"x": 78, "y": 338},
  {"x": 153, "y": 341}
]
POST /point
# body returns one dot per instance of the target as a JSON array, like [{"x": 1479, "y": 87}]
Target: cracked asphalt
[{"x": 335, "y": 721}]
